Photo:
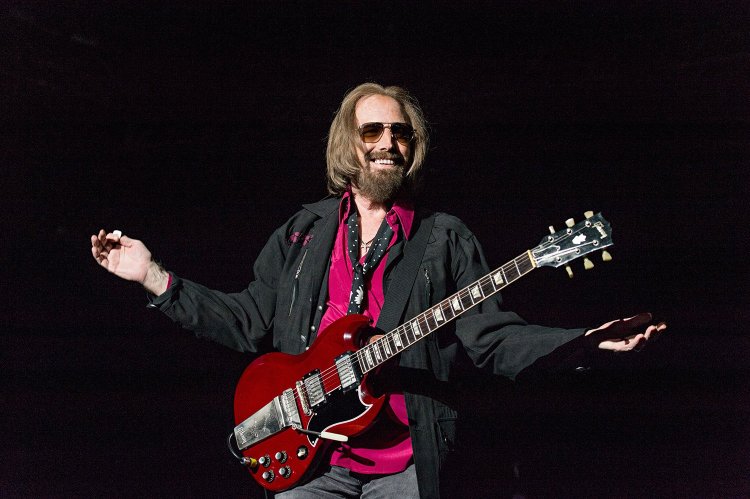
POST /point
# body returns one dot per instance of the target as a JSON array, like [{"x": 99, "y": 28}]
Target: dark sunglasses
[{"x": 371, "y": 132}]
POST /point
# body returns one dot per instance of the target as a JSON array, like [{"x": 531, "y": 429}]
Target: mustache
[{"x": 393, "y": 156}]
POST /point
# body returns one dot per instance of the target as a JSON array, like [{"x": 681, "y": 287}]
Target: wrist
[{"x": 156, "y": 280}]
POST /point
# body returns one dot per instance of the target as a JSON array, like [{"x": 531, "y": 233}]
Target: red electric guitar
[{"x": 290, "y": 408}]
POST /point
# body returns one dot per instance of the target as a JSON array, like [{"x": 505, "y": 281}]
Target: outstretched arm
[{"x": 129, "y": 259}]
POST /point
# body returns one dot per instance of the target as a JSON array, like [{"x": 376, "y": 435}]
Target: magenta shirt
[{"x": 386, "y": 446}]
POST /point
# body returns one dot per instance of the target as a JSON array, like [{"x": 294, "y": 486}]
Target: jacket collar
[{"x": 323, "y": 207}]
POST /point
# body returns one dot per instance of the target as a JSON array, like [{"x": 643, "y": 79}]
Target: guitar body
[{"x": 289, "y": 454}]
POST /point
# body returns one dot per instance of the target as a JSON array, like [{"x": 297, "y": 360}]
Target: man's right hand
[{"x": 129, "y": 259}]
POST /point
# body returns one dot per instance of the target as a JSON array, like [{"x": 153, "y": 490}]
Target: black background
[{"x": 200, "y": 127}]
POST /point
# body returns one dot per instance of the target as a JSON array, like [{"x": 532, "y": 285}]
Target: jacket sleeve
[
  {"x": 242, "y": 320},
  {"x": 501, "y": 341}
]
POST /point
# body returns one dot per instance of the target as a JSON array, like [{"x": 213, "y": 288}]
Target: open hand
[{"x": 624, "y": 335}]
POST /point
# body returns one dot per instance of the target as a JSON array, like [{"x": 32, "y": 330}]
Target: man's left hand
[{"x": 624, "y": 335}]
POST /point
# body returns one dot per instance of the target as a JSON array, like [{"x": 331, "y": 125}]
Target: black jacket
[{"x": 282, "y": 308}]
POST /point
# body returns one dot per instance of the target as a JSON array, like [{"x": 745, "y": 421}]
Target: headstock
[{"x": 592, "y": 234}]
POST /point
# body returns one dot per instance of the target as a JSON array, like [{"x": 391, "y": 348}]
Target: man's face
[{"x": 384, "y": 161}]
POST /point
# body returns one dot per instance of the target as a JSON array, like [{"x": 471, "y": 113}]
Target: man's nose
[{"x": 386, "y": 141}]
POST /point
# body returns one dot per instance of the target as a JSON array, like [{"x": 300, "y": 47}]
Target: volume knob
[
  {"x": 281, "y": 456},
  {"x": 268, "y": 476},
  {"x": 285, "y": 471}
]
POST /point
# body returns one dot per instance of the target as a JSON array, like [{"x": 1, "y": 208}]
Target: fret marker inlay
[
  {"x": 439, "y": 315},
  {"x": 456, "y": 304},
  {"x": 397, "y": 341},
  {"x": 415, "y": 329},
  {"x": 497, "y": 278}
]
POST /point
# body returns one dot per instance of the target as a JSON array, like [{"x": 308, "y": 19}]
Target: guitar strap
[{"x": 400, "y": 286}]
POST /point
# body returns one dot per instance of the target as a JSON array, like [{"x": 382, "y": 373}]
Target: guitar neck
[{"x": 405, "y": 335}]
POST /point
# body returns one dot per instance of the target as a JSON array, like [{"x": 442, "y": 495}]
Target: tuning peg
[
  {"x": 569, "y": 270},
  {"x": 588, "y": 214},
  {"x": 588, "y": 264},
  {"x": 570, "y": 222},
  {"x": 606, "y": 257},
  {"x": 551, "y": 230}
]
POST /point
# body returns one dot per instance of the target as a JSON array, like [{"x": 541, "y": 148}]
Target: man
[{"x": 343, "y": 255}]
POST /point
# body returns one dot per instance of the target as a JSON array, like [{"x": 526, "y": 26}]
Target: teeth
[{"x": 384, "y": 161}]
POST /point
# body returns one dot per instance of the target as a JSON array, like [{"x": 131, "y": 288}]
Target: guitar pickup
[{"x": 349, "y": 372}]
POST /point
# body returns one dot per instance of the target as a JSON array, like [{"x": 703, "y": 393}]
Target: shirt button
[
  {"x": 320, "y": 307},
  {"x": 312, "y": 328}
]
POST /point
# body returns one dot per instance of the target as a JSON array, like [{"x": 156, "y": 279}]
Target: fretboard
[{"x": 405, "y": 335}]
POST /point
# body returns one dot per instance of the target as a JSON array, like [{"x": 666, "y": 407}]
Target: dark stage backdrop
[{"x": 200, "y": 128}]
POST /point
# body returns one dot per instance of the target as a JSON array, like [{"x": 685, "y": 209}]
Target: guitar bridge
[{"x": 278, "y": 414}]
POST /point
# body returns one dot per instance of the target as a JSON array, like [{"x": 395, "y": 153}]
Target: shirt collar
[{"x": 402, "y": 210}]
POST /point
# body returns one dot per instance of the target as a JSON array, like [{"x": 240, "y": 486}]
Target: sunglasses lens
[
  {"x": 371, "y": 132},
  {"x": 402, "y": 132}
]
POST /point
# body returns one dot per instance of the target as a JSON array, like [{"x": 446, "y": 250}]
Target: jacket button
[
  {"x": 312, "y": 328},
  {"x": 320, "y": 307}
]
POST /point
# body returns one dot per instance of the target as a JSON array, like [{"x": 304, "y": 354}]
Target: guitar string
[{"x": 423, "y": 320}]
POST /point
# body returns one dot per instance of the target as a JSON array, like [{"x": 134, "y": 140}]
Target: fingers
[
  {"x": 102, "y": 244},
  {"x": 631, "y": 343},
  {"x": 653, "y": 331},
  {"x": 106, "y": 239}
]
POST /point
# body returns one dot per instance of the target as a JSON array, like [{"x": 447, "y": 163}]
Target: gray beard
[{"x": 380, "y": 186}]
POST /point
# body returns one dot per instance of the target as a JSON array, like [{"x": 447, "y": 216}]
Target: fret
[
  {"x": 387, "y": 347},
  {"x": 429, "y": 319},
  {"x": 487, "y": 287},
  {"x": 507, "y": 270},
  {"x": 376, "y": 350},
  {"x": 447, "y": 309},
  {"x": 397, "y": 341},
  {"x": 368, "y": 359},
  {"x": 438, "y": 314},
  {"x": 423, "y": 326},
  {"x": 381, "y": 346},
  {"x": 409, "y": 339},
  {"x": 416, "y": 329},
  {"x": 403, "y": 334},
  {"x": 395, "y": 345}
]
